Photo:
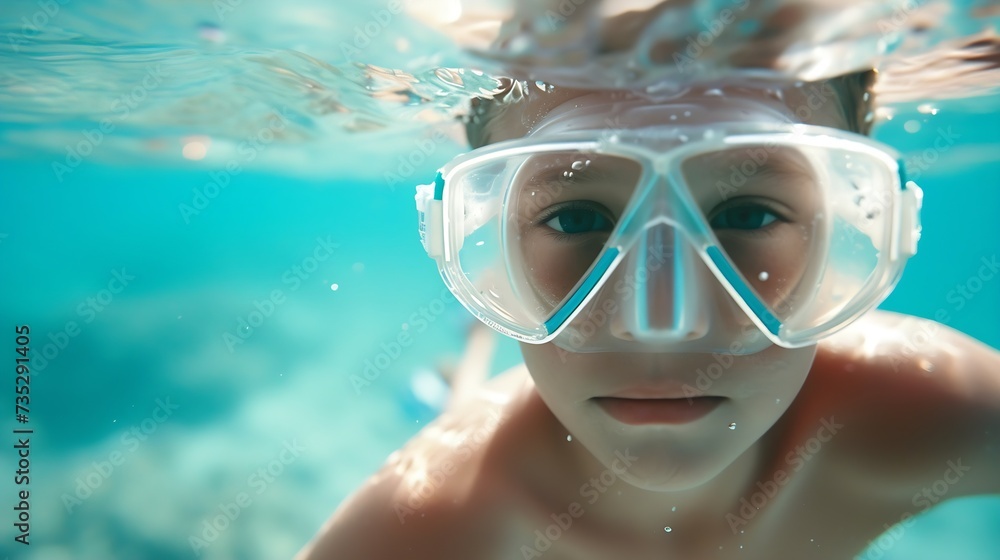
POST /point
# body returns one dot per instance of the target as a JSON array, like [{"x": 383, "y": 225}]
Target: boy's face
[{"x": 686, "y": 416}]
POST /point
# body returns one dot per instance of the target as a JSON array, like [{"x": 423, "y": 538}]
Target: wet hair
[
  {"x": 853, "y": 90},
  {"x": 856, "y": 95}
]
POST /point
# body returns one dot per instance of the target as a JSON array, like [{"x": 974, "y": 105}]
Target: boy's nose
[{"x": 661, "y": 289}]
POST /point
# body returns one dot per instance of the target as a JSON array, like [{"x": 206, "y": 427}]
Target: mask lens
[
  {"x": 792, "y": 222},
  {"x": 533, "y": 226},
  {"x": 562, "y": 209}
]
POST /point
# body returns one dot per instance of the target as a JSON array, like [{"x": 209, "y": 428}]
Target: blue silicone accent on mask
[
  {"x": 438, "y": 186},
  {"x": 770, "y": 321},
  {"x": 573, "y": 302}
]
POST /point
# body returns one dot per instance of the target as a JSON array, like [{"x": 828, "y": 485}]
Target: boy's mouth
[{"x": 638, "y": 411}]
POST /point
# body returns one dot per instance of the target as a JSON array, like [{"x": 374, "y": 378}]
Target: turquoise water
[{"x": 156, "y": 410}]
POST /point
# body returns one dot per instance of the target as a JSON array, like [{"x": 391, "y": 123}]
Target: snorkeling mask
[{"x": 638, "y": 233}]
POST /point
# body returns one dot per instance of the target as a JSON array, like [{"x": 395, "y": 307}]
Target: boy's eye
[
  {"x": 746, "y": 217},
  {"x": 578, "y": 220}
]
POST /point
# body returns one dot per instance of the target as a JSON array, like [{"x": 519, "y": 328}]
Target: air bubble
[
  {"x": 211, "y": 32},
  {"x": 673, "y": 508},
  {"x": 927, "y": 109},
  {"x": 579, "y": 165},
  {"x": 763, "y": 276},
  {"x": 911, "y": 126},
  {"x": 667, "y": 529},
  {"x": 732, "y": 425},
  {"x": 569, "y": 438}
]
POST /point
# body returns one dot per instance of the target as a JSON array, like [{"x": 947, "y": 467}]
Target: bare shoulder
[
  {"x": 916, "y": 398},
  {"x": 901, "y": 348},
  {"x": 442, "y": 495}
]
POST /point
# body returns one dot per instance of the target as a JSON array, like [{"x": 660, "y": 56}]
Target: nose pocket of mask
[{"x": 665, "y": 304}]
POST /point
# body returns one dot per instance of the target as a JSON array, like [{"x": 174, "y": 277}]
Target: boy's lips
[
  {"x": 659, "y": 390},
  {"x": 637, "y": 411}
]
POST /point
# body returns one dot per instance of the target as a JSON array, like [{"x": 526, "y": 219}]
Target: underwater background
[{"x": 206, "y": 279}]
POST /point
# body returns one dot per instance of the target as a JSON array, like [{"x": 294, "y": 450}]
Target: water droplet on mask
[
  {"x": 926, "y": 365},
  {"x": 714, "y": 91},
  {"x": 683, "y": 138},
  {"x": 569, "y": 438},
  {"x": 911, "y": 126},
  {"x": 673, "y": 117},
  {"x": 777, "y": 401},
  {"x": 687, "y": 113},
  {"x": 763, "y": 276},
  {"x": 927, "y": 109},
  {"x": 579, "y": 165},
  {"x": 673, "y": 508},
  {"x": 667, "y": 529},
  {"x": 732, "y": 425}
]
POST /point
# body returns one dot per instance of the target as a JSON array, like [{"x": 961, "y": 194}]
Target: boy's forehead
[{"x": 574, "y": 109}]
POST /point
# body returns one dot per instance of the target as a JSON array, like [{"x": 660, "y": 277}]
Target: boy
[{"x": 696, "y": 400}]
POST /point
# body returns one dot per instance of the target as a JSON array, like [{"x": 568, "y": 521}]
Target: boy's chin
[
  {"x": 654, "y": 470},
  {"x": 671, "y": 478}
]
